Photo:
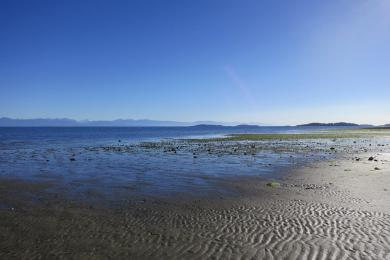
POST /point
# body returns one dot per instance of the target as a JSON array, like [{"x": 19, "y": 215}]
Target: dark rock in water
[
  {"x": 332, "y": 148},
  {"x": 371, "y": 158},
  {"x": 376, "y": 169},
  {"x": 72, "y": 159}
]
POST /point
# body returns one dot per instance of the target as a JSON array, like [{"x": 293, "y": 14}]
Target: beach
[
  {"x": 175, "y": 130},
  {"x": 335, "y": 207}
]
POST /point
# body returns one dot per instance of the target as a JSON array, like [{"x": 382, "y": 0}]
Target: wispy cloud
[{"x": 241, "y": 86}]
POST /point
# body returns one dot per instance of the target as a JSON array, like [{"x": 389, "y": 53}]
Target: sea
[{"x": 77, "y": 162}]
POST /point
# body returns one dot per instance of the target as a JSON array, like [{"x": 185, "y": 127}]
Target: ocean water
[
  {"x": 101, "y": 134},
  {"x": 109, "y": 162}
]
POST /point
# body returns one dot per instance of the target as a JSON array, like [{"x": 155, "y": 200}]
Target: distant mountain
[
  {"x": 4, "y": 122},
  {"x": 335, "y": 124},
  {"x": 132, "y": 122}
]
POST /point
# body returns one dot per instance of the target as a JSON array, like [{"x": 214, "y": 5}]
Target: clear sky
[{"x": 275, "y": 61}]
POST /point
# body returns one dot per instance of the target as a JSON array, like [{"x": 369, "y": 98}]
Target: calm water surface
[{"x": 61, "y": 156}]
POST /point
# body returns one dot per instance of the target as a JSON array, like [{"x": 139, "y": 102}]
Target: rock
[
  {"x": 273, "y": 184},
  {"x": 376, "y": 169},
  {"x": 371, "y": 158},
  {"x": 72, "y": 159}
]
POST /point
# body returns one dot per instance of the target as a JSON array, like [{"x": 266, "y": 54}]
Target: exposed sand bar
[{"x": 337, "y": 209}]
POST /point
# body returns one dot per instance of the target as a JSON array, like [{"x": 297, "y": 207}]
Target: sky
[{"x": 274, "y": 62}]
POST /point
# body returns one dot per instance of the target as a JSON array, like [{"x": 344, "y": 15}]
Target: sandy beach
[{"x": 332, "y": 209}]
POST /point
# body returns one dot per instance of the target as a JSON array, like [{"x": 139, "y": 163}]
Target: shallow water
[{"x": 113, "y": 162}]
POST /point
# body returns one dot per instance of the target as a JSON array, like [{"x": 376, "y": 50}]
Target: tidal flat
[{"x": 239, "y": 197}]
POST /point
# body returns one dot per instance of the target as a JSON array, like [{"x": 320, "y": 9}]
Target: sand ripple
[{"x": 282, "y": 229}]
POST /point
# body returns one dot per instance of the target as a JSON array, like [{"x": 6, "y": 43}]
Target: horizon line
[{"x": 156, "y": 123}]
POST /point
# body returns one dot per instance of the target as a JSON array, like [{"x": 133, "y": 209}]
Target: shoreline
[{"x": 333, "y": 209}]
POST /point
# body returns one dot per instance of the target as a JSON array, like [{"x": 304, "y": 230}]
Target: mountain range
[
  {"x": 5, "y": 121},
  {"x": 41, "y": 122}
]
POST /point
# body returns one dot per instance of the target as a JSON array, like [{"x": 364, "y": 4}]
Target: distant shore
[{"x": 66, "y": 122}]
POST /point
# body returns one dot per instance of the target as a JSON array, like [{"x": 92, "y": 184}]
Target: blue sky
[{"x": 276, "y": 62}]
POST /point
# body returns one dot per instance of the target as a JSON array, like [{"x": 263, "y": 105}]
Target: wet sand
[{"x": 334, "y": 209}]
